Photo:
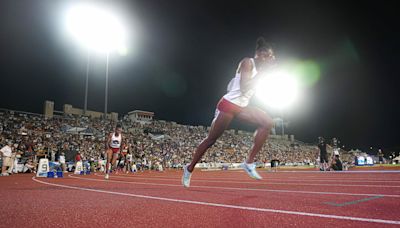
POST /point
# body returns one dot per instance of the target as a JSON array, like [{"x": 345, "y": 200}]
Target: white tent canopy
[{"x": 79, "y": 130}]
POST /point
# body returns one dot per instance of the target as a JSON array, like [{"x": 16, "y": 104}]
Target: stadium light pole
[
  {"x": 106, "y": 92},
  {"x": 87, "y": 82},
  {"x": 97, "y": 29},
  {"x": 282, "y": 126}
]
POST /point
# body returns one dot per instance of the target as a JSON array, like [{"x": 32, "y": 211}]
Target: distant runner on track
[{"x": 113, "y": 148}]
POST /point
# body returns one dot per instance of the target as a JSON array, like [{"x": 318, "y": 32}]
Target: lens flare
[{"x": 307, "y": 71}]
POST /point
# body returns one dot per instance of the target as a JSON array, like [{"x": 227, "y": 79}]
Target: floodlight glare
[
  {"x": 278, "y": 90},
  {"x": 95, "y": 28}
]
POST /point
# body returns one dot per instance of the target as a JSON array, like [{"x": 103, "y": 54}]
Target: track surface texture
[{"x": 215, "y": 199}]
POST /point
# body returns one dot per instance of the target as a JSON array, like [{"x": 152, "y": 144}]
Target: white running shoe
[
  {"x": 186, "y": 177},
  {"x": 107, "y": 176},
  {"x": 251, "y": 170}
]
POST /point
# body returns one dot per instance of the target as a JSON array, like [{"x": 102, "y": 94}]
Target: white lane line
[
  {"x": 268, "y": 183},
  {"x": 342, "y": 172},
  {"x": 313, "y": 171},
  {"x": 294, "y": 179},
  {"x": 226, "y": 205},
  {"x": 241, "y": 189}
]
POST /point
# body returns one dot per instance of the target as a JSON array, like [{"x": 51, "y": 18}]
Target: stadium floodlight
[
  {"x": 278, "y": 89},
  {"x": 95, "y": 28}
]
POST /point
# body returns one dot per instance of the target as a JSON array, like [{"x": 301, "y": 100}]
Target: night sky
[{"x": 182, "y": 55}]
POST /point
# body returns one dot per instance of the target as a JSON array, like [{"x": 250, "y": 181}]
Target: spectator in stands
[
  {"x": 78, "y": 157},
  {"x": 15, "y": 158},
  {"x": 29, "y": 166},
  {"x": 6, "y": 153},
  {"x": 62, "y": 162},
  {"x": 323, "y": 154},
  {"x": 336, "y": 164},
  {"x": 380, "y": 155},
  {"x": 128, "y": 162}
]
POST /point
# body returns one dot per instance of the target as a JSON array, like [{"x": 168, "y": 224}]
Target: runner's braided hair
[{"x": 262, "y": 44}]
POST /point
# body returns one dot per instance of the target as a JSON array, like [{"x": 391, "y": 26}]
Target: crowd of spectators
[{"x": 164, "y": 142}]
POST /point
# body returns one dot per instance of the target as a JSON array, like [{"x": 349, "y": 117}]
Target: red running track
[{"x": 215, "y": 199}]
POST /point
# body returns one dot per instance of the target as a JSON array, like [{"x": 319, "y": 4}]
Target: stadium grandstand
[{"x": 152, "y": 143}]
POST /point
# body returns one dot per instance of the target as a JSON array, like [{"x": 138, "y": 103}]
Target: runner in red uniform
[
  {"x": 113, "y": 148},
  {"x": 235, "y": 104}
]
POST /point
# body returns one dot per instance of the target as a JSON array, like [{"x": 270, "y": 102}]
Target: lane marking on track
[
  {"x": 372, "y": 220},
  {"x": 352, "y": 202},
  {"x": 267, "y": 183},
  {"x": 326, "y": 175},
  {"x": 291, "y": 179},
  {"x": 342, "y": 172},
  {"x": 242, "y": 189},
  {"x": 313, "y": 171}
]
